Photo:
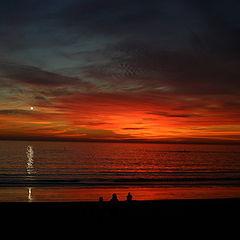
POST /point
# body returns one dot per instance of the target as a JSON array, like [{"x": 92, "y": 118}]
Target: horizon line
[{"x": 207, "y": 141}]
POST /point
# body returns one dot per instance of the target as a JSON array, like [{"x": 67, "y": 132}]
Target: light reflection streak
[
  {"x": 30, "y": 194},
  {"x": 30, "y": 168},
  {"x": 30, "y": 160}
]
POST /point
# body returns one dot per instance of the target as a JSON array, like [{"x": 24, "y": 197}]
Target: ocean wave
[
  {"x": 187, "y": 151},
  {"x": 46, "y": 182}
]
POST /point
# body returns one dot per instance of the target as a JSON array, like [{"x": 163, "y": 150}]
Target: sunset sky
[{"x": 129, "y": 70}]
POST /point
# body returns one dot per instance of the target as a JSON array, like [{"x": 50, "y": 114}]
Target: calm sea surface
[{"x": 76, "y": 171}]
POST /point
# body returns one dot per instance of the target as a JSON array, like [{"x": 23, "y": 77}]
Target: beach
[{"x": 157, "y": 211}]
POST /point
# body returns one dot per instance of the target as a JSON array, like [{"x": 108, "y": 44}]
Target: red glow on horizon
[{"x": 124, "y": 117}]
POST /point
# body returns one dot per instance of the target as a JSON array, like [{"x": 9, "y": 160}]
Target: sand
[{"x": 137, "y": 211}]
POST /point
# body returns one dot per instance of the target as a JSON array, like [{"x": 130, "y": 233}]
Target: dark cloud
[
  {"x": 31, "y": 114},
  {"x": 167, "y": 71},
  {"x": 167, "y": 23},
  {"x": 37, "y": 77},
  {"x": 188, "y": 48},
  {"x": 109, "y": 17},
  {"x": 206, "y": 26},
  {"x": 88, "y": 123},
  {"x": 221, "y": 25},
  {"x": 165, "y": 114},
  {"x": 17, "y": 111},
  {"x": 133, "y": 128},
  {"x": 167, "y": 46},
  {"x": 189, "y": 45},
  {"x": 98, "y": 133}
]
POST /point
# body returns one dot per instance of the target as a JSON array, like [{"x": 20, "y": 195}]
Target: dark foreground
[{"x": 168, "y": 212}]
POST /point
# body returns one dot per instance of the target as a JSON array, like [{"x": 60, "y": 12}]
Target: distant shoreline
[{"x": 143, "y": 141}]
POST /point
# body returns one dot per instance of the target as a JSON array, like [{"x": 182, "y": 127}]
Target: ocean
[{"x": 44, "y": 171}]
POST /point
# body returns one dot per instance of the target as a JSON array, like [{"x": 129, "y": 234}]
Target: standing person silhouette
[
  {"x": 129, "y": 197},
  {"x": 114, "y": 198}
]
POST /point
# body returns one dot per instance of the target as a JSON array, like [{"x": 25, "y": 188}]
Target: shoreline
[{"x": 92, "y": 194}]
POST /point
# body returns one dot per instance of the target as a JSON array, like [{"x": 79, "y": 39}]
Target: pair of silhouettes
[{"x": 114, "y": 198}]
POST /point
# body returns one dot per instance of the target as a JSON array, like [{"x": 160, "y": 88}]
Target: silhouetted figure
[
  {"x": 100, "y": 199},
  {"x": 129, "y": 197},
  {"x": 114, "y": 198}
]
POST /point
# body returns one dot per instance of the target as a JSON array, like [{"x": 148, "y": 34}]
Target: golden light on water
[
  {"x": 30, "y": 160},
  {"x": 30, "y": 194},
  {"x": 30, "y": 168}
]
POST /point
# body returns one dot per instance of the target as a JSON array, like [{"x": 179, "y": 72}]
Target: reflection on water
[
  {"x": 30, "y": 168},
  {"x": 30, "y": 194},
  {"x": 30, "y": 161}
]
